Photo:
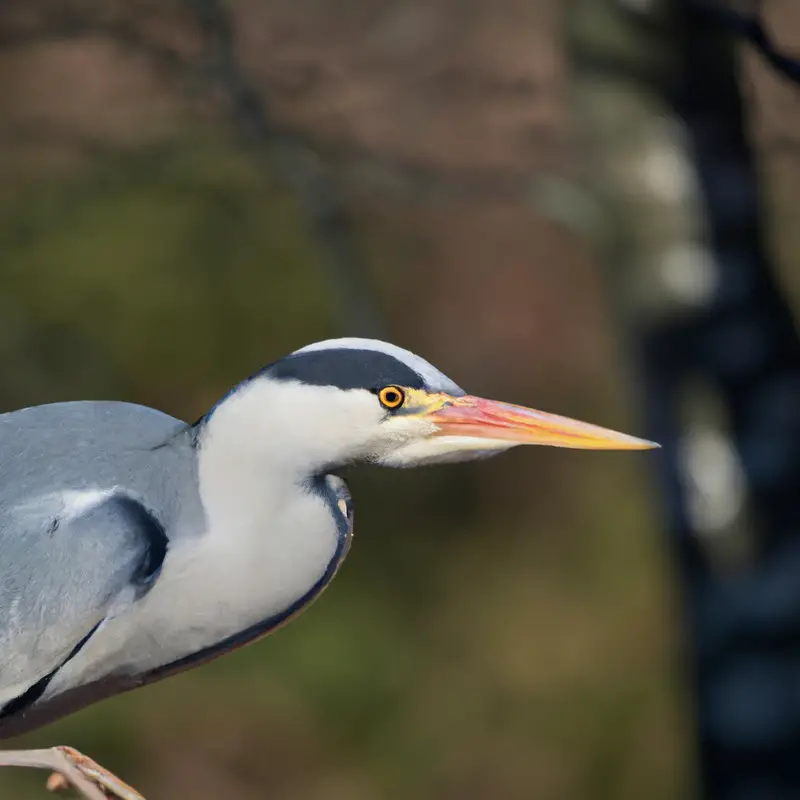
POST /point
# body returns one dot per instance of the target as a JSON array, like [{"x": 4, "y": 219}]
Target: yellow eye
[{"x": 391, "y": 396}]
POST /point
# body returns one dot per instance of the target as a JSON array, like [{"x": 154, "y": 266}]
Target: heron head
[{"x": 347, "y": 400}]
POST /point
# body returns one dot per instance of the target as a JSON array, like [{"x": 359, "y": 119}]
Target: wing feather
[{"x": 66, "y": 562}]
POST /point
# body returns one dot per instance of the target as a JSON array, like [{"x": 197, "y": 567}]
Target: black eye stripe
[{"x": 346, "y": 369}]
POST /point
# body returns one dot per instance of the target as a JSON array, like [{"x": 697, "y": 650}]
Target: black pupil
[{"x": 391, "y": 397}]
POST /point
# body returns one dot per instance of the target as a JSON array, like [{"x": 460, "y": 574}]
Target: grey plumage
[
  {"x": 80, "y": 445},
  {"x": 93, "y": 495},
  {"x": 60, "y": 515}
]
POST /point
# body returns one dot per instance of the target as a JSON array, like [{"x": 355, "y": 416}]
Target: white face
[
  {"x": 291, "y": 414},
  {"x": 404, "y": 439},
  {"x": 305, "y": 429},
  {"x": 406, "y": 427},
  {"x": 312, "y": 428},
  {"x": 441, "y": 424}
]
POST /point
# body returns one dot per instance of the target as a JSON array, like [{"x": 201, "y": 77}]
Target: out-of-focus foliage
[
  {"x": 500, "y": 630},
  {"x": 143, "y": 262}
]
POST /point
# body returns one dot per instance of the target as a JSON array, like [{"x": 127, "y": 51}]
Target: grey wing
[{"x": 66, "y": 562}]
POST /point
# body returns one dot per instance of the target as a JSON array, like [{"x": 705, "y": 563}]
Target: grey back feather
[{"x": 66, "y": 559}]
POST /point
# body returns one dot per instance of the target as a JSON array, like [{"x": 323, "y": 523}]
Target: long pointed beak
[{"x": 506, "y": 425}]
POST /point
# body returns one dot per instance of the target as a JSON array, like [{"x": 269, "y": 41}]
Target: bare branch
[{"x": 55, "y": 761}]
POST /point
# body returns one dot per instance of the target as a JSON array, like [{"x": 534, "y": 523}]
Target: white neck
[
  {"x": 268, "y": 538},
  {"x": 257, "y": 452},
  {"x": 285, "y": 429}
]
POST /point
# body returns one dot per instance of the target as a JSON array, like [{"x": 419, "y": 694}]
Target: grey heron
[{"x": 134, "y": 545}]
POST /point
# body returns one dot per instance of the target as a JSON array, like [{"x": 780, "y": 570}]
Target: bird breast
[{"x": 249, "y": 571}]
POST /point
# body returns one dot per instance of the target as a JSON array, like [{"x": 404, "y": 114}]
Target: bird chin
[{"x": 444, "y": 450}]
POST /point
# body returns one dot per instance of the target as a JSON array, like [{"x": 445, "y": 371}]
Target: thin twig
[{"x": 55, "y": 761}]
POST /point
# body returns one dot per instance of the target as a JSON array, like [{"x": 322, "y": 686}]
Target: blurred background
[{"x": 588, "y": 207}]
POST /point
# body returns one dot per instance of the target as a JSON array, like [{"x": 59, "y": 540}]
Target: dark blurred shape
[
  {"x": 720, "y": 361},
  {"x": 750, "y": 26}
]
